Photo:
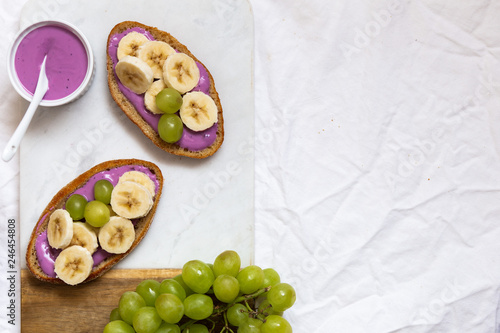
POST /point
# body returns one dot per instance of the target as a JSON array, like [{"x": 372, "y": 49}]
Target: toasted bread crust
[
  {"x": 129, "y": 109},
  {"x": 141, "y": 226}
]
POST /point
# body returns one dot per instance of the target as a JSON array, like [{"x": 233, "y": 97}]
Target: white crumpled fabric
[{"x": 377, "y": 162}]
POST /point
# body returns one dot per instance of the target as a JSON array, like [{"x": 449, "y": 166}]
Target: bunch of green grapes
[{"x": 207, "y": 298}]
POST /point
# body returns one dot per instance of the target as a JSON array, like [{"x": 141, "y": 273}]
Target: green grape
[
  {"x": 198, "y": 306},
  {"x": 179, "y": 279},
  {"x": 211, "y": 267},
  {"x": 271, "y": 278},
  {"x": 171, "y": 286},
  {"x": 118, "y": 326},
  {"x": 170, "y": 308},
  {"x": 170, "y": 128},
  {"x": 96, "y": 213},
  {"x": 237, "y": 314},
  {"x": 250, "y": 279},
  {"x": 195, "y": 328},
  {"x": 251, "y": 325},
  {"x": 149, "y": 290},
  {"x": 266, "y": 309},
  {"x": 169, "y": 100},
  {"x": 276, "y": 324},
  {"x": 281, "y": 296},
  {"x": 198, "y": 276},
  {"x": 226, "y": 288},
  {"x": 111, "y": 211},
  {"x": 168, "y": 328},
  {"x": 102, "y": 191},
  {"x": 146, "y": 320},
  {"x": 129, "y": 303},
  {"x": 228, "y": 262},
  {"x": 114, "y": 315},
  {"x": 75, "y": 205}
]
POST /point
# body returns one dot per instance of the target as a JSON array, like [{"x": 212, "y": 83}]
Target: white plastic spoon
[{"x": 41, "y": 89}]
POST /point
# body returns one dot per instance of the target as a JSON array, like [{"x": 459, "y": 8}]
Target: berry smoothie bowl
[{"x": 69, "y": 65}]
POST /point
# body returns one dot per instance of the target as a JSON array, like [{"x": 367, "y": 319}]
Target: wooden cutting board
[{"x": 77, "y": 309}]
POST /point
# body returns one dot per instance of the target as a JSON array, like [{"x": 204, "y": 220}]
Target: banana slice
[
  {"x": 150, "y": 96},
  {"x": 130, "y": 43},
  {"x": 154, "y": 53},
  {"x": 139, "y": 178},
  {"x": 60, "y": 229},
  {"x": 198, "y": 111},
  {"x": 85, "y": 236},
  {"x": 134, "y": 74},
  {"x": 131, "y": 200},
  {"x": 117, "y": 235},
  {"x": 181, "y": 72},
  {"x": 74, "y": 264}
]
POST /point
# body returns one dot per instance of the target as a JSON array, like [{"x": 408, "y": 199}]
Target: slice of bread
[
  {"x": 129, "y": 109},
  {"x": 141, "y": 225}
]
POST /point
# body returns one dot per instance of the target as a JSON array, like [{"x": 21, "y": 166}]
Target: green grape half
[
  {"x": 149, "y": 290},
  {"x": 251, "y": 325},
  {"x": 129, "y": 303},
  {"x": 198, "y": 276},
  {"x": 281, "y": 296},
  {"x": 96, "y": 213},
  {"x": 146, "y": 320},
  {"x": 114, "y": 315},
  {"x": 228, "y": 262},
  {"x": 211, "y": 267},
  {"x": 276, "y": 324},
  {"x": 168, "y": 328},
  {"x": 75, "y": 205},
  {"x": 118, "y": 326},
  {"x": 226, "y": 288},
  {"x": 171, "y": 286},
  {"x": 198, "y": 306},
  {"x": 170, "y": 128},
  {"x": 170, "y": 308},
  {"x": 179, "y": 279},
  {"x": 102, "y": 191},
  {"x": 169, "y": 100},
  {"x": 196, "y": 328},
  {"x": 250, "y": 279},
  {"x": 266, "y": 309},
  {"x": 271, "y": 277},
  {"x": 237, "y": 314}
]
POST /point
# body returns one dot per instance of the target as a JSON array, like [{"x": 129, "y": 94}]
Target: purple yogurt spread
[
  {"x": 113, "y": 175},
  {"x": 47, "y": 255},
  {"x": 191, "y": 140},
  {"x": 66, "y": 64}
]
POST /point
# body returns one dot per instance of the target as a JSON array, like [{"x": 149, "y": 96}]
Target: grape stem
[
  {"x": 248, "y": 307},
  {"x": 187, "y": 324},
  {"x": 261, "y": 314},
  {"x": 226, "y": 325},
  {"x": 243, "y": 298},
  {"x": 251, "y": 296}
]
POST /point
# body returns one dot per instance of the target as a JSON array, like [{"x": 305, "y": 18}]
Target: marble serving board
[{"x": 207, "y": 205}]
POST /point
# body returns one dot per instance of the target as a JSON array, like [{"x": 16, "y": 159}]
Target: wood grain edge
[{"x": 47, "y": 307}]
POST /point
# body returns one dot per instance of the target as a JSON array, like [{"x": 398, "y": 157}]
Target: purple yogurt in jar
[{"x": 69, "y": 66}]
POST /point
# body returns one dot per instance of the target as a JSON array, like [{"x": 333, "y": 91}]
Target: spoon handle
[{"x": 41, "y": 88}]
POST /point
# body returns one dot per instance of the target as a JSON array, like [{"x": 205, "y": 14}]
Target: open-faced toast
[
  {"x": 41, "y": 257},
  {"x": 195, "y": 141}
]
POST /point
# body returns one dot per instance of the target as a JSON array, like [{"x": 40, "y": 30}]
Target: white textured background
[{"x": 377, "y": 155}]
